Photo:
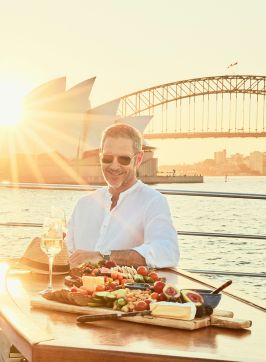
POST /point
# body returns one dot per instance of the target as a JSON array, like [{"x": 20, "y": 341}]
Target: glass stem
[{"x": 51, "y": 262}]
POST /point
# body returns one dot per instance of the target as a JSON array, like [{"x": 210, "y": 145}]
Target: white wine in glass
[{"x": 52, "y": 242}]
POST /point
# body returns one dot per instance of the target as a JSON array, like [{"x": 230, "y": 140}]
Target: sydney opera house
[{"x": 58, "y": 137}]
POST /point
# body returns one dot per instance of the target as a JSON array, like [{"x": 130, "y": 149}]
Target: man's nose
[{"x": 115, "y": 164}]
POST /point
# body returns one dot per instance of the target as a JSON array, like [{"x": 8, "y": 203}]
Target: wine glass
[{"x": 52, "y": 239}]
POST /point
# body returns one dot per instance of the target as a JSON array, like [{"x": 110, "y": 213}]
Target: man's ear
[{"x": 139, "y": 158}]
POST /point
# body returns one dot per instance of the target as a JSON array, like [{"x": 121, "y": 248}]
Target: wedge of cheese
[
  {"x": 91, "y": 282},
  {"x": 183, "y": 311}
]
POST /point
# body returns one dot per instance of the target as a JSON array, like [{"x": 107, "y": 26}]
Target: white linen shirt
[{"x": 141, "y": 221}]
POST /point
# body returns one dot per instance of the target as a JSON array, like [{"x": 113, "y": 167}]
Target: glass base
[{"x": 47, "y": 290}]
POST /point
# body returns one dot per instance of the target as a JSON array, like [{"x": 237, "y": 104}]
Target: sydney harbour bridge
[
  {"x": 216, "y": 106},
  {"x": 62, "y": 120}
]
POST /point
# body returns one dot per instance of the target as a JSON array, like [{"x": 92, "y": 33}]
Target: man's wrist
[{"x": 128, "y": 257}]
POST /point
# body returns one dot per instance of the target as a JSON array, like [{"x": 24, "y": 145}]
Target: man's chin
[{"x": 114, "y": 184}]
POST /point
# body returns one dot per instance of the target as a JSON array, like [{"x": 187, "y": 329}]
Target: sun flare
[{"x": 11, "y": 103}]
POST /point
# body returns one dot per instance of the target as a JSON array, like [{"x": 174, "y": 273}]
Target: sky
[{"x": 130, "y": 45}]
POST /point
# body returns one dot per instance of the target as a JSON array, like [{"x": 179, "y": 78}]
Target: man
[{"x": 127, "y": 221}]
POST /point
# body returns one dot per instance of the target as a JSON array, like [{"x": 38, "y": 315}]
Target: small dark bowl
[{"x": 211, "y": 299}]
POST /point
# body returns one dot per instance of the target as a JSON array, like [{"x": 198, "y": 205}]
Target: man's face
[{"x": 117, "y": 175}]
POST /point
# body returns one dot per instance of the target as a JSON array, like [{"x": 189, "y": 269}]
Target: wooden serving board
[{"x": 219, "y": 318}]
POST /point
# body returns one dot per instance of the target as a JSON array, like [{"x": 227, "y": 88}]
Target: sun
[{"x": 11, "y": 105}]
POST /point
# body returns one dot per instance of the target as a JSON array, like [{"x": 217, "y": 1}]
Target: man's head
[
  {"x": 123, "y": 130},
  {"x": 121, "y": 154}
]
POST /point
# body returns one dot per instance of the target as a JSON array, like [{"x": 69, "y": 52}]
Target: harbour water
[{"x": 206, "y": 214}]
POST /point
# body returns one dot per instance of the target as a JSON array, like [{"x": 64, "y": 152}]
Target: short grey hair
[{"x": 123, "y": 130}]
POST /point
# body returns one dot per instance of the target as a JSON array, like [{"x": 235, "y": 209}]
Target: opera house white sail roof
[{"x": 59, "y": 120}]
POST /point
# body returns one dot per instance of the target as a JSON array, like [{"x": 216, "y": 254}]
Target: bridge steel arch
[
  {"x": 146, "y": 100},
  {"x": 143, "y": 100}
]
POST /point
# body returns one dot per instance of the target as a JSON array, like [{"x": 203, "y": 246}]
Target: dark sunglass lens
[
  {"x": 124, "y": 160},
  {"x": 107, "y": 158}
]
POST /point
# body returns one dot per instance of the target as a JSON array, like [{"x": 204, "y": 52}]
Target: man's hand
[
  {"x": 128, "y": 257},
  {"x": 82, "y": 256},
  {"x": 121, "y": 257}
]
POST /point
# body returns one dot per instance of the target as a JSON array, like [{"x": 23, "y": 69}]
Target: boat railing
[
  {"x": 166, "y": 192},
  {"x": 237, "y": 195}
]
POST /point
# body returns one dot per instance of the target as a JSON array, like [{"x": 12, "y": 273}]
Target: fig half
[
  {"x": 171, "y": 292},
  {"x": 191, "y": 296}
]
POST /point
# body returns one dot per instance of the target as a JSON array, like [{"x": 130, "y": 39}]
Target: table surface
[{"x": 43, "y": 335}]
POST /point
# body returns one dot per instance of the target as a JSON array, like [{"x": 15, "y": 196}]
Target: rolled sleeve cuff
[
  {"x": 144, "y": 250},
  {"x": 161, "y": 260}
]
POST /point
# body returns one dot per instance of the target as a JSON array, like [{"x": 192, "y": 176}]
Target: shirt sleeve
[{"x": 160, "y": 248}]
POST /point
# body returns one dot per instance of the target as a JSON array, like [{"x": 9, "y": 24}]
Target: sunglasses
[{"x": 123, "y": 160}]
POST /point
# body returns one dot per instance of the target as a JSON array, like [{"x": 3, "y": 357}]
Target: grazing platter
[
  {"x": 101, "y": 292},
  {"x": 219, "y": 318}
]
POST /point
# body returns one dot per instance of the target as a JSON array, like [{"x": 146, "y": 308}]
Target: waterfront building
[
  {"x": 220, "y": 157},
  {"x": 257, "y": 162}
]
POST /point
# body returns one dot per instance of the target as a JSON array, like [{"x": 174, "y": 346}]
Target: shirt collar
[{"x": 124, "y": 193}]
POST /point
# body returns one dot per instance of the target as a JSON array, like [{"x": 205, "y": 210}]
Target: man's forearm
[{"x": 127, "y": 257}]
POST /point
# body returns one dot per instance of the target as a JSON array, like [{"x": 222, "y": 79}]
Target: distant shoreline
[{"x": 94, "y": 185}]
